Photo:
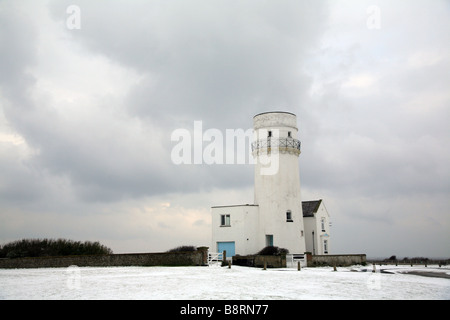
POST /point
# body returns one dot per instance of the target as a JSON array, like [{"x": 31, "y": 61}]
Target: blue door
[{"x": 228, "y": 246}]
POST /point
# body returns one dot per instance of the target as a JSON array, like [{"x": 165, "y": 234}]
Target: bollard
[
  {"x": 334, "y": 268},
  {"x": 374, "y": 269},
  {"x": 265, "y": 265},
  {"x": 299, "y": 267},
  {"x": 229, "y": 264},
  {"x": 224, "y": 258}
]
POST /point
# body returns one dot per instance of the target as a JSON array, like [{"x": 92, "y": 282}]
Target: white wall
[
  {"x": 323, "y": 233},
  {"x": 315, "y": 224},
  {"x": 243, "y": 228},
  {"x": 278, "y": 191},
  {"x": 310, "y": 226}
]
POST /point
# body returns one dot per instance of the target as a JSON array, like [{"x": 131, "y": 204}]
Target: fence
[
  {"x": 411, "y": 262},
  {"x": 282, "y": 144},
  {"x": 215, "y": 258}
]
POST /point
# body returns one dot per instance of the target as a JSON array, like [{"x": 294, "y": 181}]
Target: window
[
  {"x": 269, "y": 134},
  {"x": 323, "y": 224},
  {"x": 289, "y": 134},
  {"x": 225, "y": 220},
  {"x": 325, "y": 246},
  {"x": 289, "y": 216}
]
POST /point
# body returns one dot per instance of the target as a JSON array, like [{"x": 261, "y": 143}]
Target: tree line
[{"x": 51, "y": 247}]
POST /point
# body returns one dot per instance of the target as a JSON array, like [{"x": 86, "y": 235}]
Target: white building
[
  {"x": 317, "y": 227},
  {"x": 276, "y": 218}
]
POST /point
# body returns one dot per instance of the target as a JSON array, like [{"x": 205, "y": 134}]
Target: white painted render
[
  {"x": 243, "y": 228},
  {"x": 316, "y": 232},
  {"x": 277, "y": 192}
]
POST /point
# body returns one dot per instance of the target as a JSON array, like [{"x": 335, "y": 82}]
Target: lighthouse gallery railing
[{"x": 281, "y": 143}]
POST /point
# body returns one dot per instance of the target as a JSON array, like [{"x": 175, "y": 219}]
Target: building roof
[
  {"x": 310, "y": 207},
  {"x": 273, "y": 112}
]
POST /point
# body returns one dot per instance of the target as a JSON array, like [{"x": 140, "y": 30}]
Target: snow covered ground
[{"x": 237, "y": 283}]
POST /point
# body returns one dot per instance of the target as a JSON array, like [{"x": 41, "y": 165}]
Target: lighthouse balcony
[{"x": 276, "y": 144}]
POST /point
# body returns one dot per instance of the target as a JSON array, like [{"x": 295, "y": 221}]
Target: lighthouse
[
  {"x": 276, "y": 217},
  {"x": 276, "y": 150}
]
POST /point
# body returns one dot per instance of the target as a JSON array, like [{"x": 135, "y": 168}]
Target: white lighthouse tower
[
  {"x": 275, "y": 218},
  {"x": 276, "y": 149}
]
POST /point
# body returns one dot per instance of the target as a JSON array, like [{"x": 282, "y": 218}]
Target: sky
[{"x": 91, "y": 92}]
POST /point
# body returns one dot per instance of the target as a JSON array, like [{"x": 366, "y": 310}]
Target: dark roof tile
[{"x": 310, "y": 207}]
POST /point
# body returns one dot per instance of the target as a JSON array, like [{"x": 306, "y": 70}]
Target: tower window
[
  {"x": 224, "y": 220},
  {"x": 289, "y": 216},
  {"x": 269, "y": 134},
  {"x": 289, "y": 134}
]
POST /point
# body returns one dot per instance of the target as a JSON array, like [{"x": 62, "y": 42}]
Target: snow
[{"x": 237, "y": 283}]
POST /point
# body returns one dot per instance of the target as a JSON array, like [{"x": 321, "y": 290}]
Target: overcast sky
[{"x": 91, "y": 91}]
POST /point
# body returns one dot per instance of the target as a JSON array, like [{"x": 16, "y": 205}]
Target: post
[
  {"x": 224, "y": 258},
  {"x": 265, "y": 265},
  {"x": 204, "y": 252},
  {"x": 309, "y": 262},
  {"x": 299, "y": 266},
  {"x": 229, "y": 264},
  {"x": 374, "y": 268}
]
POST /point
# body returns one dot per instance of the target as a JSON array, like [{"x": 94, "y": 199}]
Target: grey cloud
[
  {"x": 198, "y": 63},
  {"x": 206, "y": 60},
  {"x": 222, "y": 62},
  {"x": 18, "y": 47}
]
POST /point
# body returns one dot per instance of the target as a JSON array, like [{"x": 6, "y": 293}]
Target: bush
[
  {"x": 50, "y": 247},
  {"x": 183, "y": 248},
  {"x": 273, "y": 251},
  {"x": 391, "y": 258}
]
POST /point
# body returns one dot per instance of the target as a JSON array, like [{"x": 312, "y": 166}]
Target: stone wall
[
  {"x": 259, "y": 261},
  {"x": 184, "y": 258},
  {"x": 338, "y": 260}
]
